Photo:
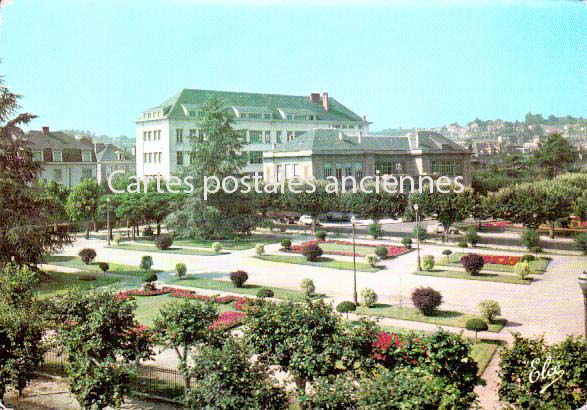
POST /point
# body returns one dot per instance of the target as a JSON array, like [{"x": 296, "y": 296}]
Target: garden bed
[
  {"x": 345, "y": 248},
  {"x": 75, "y": 262},
  {"x": 482, "y": 276},
  {"x": 173, "y": 250},
  {"x": 248, "y": 242},
  {"x": 59, "y": 282},
  {"x": 496, "y": 263},
  {"x": 320, "y": 262}
]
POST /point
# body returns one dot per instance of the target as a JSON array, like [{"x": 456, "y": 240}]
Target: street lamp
[
  {"x": 354, "y": 223},
  {"x": 108, "y": 219},
  {"x": 416, "y": 207},
  {"x": 583, "y": 286}
]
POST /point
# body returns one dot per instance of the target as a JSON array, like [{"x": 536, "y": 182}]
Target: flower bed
[
  {"x": 391, "y": 250},
  {"x": 240, "y": 302},
  {"x": 227, "y": 320},
  {"x": 499, "y": 224},
  {"x": 141, "y": 292},
  {"x": 500, "y": 260}
]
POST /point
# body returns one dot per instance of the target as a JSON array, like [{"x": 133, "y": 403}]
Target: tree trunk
[
  {"x": 158, "y": 229},
  {"x": 314, "y": 218},
  {"x": 88, "y": 231},
  {"x": 134, "y": 232},
  {"x": 551, "y": 229}
]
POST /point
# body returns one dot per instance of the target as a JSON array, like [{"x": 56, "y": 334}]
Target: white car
[
  {"x": 306, "y": 220},
  {"x": 439, "y": 228}
]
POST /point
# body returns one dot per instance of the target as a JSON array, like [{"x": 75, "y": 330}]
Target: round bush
[
  {"x": 163, "y": 242},
  {"x": 462, "y": 244},
  {"x": 180, "y": 270},
  {"x": 447, "y": 252},
  {"x": 368, "y": 297},
  {"x": 308, "y": 287},
  {"x": 312, "y": 251},
  {"x": 426, "y": 300},
  {"x": 150, "y": 277},
  {"x": 260, "y": 249},
  {"x": 104, "y": 267},
  {"x": 472, "y": 236},
  {"x": 87, "y": 255},
  {"x": 428, "y": 262},
  {"x": 238, "y": 278},
  {"x": 286, "y": 243},
  {"x": 420, "y": 231},
  {"x": 476, "y": 325},
  {"x": 581, "y": 242},
  {"x": 346, "y": 307},
  {"x": 265, "y": 293},
  {"x": 375, "y": 230},
  {"x": 148, "y": 231},
  {"x": 146, "y": 263},
  {"x": 407, "y": 242},
  {"x": 523, "y": 269},
  {"x": 321, "y": 235},
  {"x": 87, "y": 278},
  {"x": 536, "y": 249},
  {"x": 527, "y": 258},
  {"x": 530, "y": 238},
  {"x": 372, "y": 260},
  {"x": 489, "y": 309},
  {"x": 381, "y": 251},
  {"x": 217, "y": 247},
  {"x": 472, "y": 263}
]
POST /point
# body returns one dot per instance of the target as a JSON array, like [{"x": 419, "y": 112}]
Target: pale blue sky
[{"x": 97, "y": 64}]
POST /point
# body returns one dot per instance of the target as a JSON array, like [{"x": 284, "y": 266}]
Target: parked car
[
  {"x": 337, "y": 216},
  {"x": 285, "y": 220},
  {"x": 439, "y": 228},
  {"x": 306, "y": 220}
]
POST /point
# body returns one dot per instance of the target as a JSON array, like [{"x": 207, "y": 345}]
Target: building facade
[
  {"x": 321, "y": 153},
  {"x": 111, "y": 158},
  {"x": 66, "y": 160},
  {"x": 163, "y": 132}
]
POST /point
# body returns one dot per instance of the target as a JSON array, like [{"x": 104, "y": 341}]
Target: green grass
[
  {"x": 59, "y": 282},
  {"x": 247, "y": 289},
  {"x": 538, "y": 266},
  {"x": 360, "y": 250},
  {"x": 488, "y": 277},
  {"x": 76, "y": 263},
  {"x": 320, "y": 262},
  {"x": 233, "y": 244},
  {"x": 153, "y": 248},
  {"x": 483, "y": 351},
  {"x": 442, "y": 317}
]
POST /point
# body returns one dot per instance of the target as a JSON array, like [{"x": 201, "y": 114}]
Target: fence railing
[{"x": 150, "y": 381}]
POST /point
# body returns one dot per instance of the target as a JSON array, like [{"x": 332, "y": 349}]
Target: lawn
[
  {"x": 226, "y": 286},
  {"x": 538, "y": 266},
  {"x": 60, "y": 281},
  {"x": 320, "y": 262},
  {"x": 153, "y": 248},
  {"x": 442, "y": 317},
  {"x": 489, "y": 277},
  {"x": 76, "y": 263},
  {"x": 360, "y": 250},
  {"x": 248, "y": 242}
]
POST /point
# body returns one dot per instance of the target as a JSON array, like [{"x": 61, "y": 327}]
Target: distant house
[
  {"x": 65, "y": 159},
  {"x": 112, "y": 158}
]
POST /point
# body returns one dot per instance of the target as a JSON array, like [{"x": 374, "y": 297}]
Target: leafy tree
[
  {"x": 82, "y": 203},
  {"x": 557, "y": 202},
  {"x": 521, "y": 203},
  {"x": 555, "y": 154},
  {"x": 227, "y": 378},
  {"x": 157, "y": 206},
  {"x": 530, "y": 238},
  {"x": 131, "y": 208},
  {"x": 100, "y": 337},
  {"x": 375, "y": 206},
  {"x": 311, "y": 202},
  {"x": 27, "y": 229},
  {"x": 472, "y": 236}
]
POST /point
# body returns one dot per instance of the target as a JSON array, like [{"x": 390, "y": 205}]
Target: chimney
[
  {"x": 325, "y": 101},
  {"x": 365, "y": 118},
  {"x": 315, "y": 97},
  {"x": 45, "y": 130}
]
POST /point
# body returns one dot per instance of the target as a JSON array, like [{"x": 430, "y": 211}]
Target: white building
[{"x": 163, "y": 132}]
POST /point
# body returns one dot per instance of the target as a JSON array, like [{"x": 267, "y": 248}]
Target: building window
[
  {"x": 295, "y": 171},
  {"x": 267, "y": 116},
  {"x": 447, "y": 168},
  {"x": 327, "y": 169},
  {"x": 348, "y": 170},
  {"x": 279, "y": 173},
  {"x": 389, "y": 167},
  {"x": 299, "y": 133},
  {"x": 290, "y": 135},
  {"x": 58, "y": 156},
  {"x": 37, "y": 156},
  {"x": 179, "y": 158},
  {"x": 358, "y": 168},
  {"x": 87, "y": 173},
  {"x": 179, "y": 135},
  {"x": 255, "y": 137},
  {"x": 338, "y": 171},
  {"x": 193, "y": 133},
  {"x": 278, "y": 137},
  {"x": 86, "y": 156},
  {"x": 267, "y": 137},
  {"x": 254, "y": 116},
  {"x": 145, "y": 136},
  {"x": 150, "y": 157},
  {"x": 255, "y": 157},
  {"x": 57, "y": 174}
]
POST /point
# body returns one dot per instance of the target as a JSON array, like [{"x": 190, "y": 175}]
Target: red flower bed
[
  {"x": 499, "y": 224},
  {"x": 226, "y": 320},
  {"x": 391, "y": 250},
  {"x": 141, "y": 292},
  {"x": 393, "y": 349},
  {"x": 241, "y": 302},
  {"x": 500, "y": 260}
]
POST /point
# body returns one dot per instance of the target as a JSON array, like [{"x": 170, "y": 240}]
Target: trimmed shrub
[
  {"x": 146, "y": 263},
  {"x": 523, "y": 269},
  {"x": 536, "y": 249},
  {"x": 372, "y": 260},
  {"x": 472, "y": 236},
  {"x": 163, "y": 242},
  {"x": 308, "y": 287},
  {"x": 286, "y": 244},
  {"x": 473, "y": 263},
  {"x": 368, "y": 297},
  {"x": 530, "y": 238},
  {"x": 426, "y": 300},
  {"x": 527, "y": 258},
  {"x": 180, "y": 270},
  {"x": 420, "y": 231},
  {"x": 321, "y": 235},
  {"x": 381, "y": 251},
  {"x": 476, "y": 325},
  {"x": 375, "y": 230},
  {"x": 489, "y": 309},
  {"x": 104, "y": 267},
  {"x": 217, "y": 247},
  {"x": 260, "y": 249},
  {"x": 407, "y": 242},
  {"x": 87, "y": 278},
  {"x": 312, "y": 251},
  {"x": 265, "y": 293},
  {"x": 147, "y": 231},
  {"x": 581, "y": 242},
  {"x": 238, "y": 278},
  {"x": 447, "y": 253},
  {"x": 87, "y": 255},
  {"x": 346, "y": 307},
  {"x": 428, "y": 262},
  {"x": 463, "y": 244},
  {"x": 149, "y": 279}
]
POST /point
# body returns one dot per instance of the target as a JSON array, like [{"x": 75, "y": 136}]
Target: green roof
[{"x": 174, "y": 106}]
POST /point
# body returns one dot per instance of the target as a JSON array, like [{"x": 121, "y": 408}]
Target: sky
[{"x": 96, "y": 64}]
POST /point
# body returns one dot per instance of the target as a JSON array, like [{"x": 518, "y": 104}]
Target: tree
[
  {"x": 227, "y": 378},
  {"x": 27, "y": 228},
  {"x": 375, "y": 206},
  {"x": 310, "y": 201},
  {"x": 555, "y": 154},
  {"x": 557, "y": 202},
  {"x": 82, "y": 203},
  {"x": 100, "y": 337},
  {"x": 183, "y": 327},
  {"x": 157, "y": 206},
  {"x": 131, "y": 208},
  {"x": 521, "y": 203}
]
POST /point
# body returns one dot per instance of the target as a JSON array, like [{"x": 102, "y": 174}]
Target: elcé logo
[{"x": 554, "y": 373}]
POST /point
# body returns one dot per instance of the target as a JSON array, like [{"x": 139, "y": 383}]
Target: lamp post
[
  {"x": 353, "y": 223},
  {"x": 583, "y": 286},
  {"x": 108, "y": 219},
  {"x": 416, "y": 207}
]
